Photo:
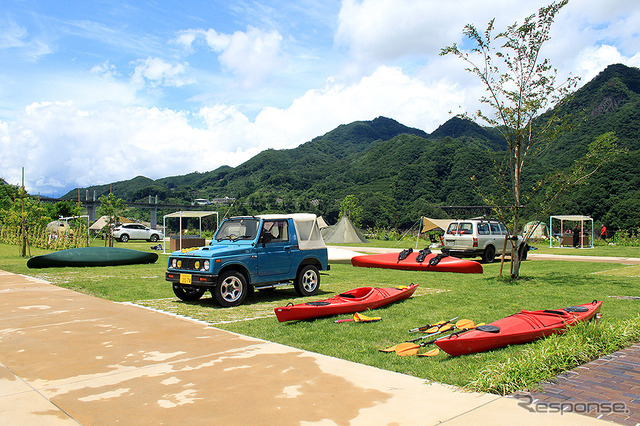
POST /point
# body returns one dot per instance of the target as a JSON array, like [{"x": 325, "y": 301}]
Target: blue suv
[{"x": 252, "y": 252}]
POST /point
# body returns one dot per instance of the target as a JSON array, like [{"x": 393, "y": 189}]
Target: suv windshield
[{"x": 238, "y": 229}]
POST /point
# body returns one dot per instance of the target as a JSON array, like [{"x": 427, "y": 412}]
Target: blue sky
[{"x": 99, "y": 91}]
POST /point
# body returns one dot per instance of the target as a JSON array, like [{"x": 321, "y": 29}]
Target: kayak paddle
[
  {"x": 440, "y": 327},
  {"x": 408, "y": 349},
  {"x": 429, "y": 326},
  {"x": 393, "y": 348},
  {"x": 432, "y": 352}
]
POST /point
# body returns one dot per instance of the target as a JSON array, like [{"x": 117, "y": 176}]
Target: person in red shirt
[{"x": 603, "y": 232}]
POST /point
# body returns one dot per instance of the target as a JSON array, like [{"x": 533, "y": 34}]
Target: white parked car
[
  {"x": 480, "y": 237},
  {"x": 135, "y": 231}
]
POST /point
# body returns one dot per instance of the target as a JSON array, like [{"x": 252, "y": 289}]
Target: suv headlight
[
  {"x": 174, "y": 262},
  {"x": 205, "y": 265}
]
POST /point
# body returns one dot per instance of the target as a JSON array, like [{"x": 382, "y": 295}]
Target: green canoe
[{"x": 92, "y": 256}]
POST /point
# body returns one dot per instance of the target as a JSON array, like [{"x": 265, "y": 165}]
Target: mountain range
[{"x": 400, "y": 173}]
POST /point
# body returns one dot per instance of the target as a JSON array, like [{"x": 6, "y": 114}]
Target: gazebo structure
[
  {"x": 182, "y": 214},
  {"x": 563, "y": 240}
]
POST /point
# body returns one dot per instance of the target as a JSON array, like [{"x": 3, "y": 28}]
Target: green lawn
[{"x": 481, "y": 298}]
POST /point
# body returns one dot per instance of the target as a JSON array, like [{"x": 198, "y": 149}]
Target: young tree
[
  {"x": 352, "y": 208},
  {"x": 111, "y": 207},
  {"x": 520, "y": 87}
]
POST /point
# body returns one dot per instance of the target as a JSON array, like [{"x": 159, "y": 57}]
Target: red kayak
[
  {"x": 356, "y": 300},
  {"x": 523, "y": 327},
  {"x": 391, "y": 261}
]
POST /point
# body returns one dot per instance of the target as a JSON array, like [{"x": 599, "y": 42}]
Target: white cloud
[
  {"x": 160, "y": 73},
  {"x": 252, "y": 55},
  {"x": 383, "y": 30},
  {"x": 592, "y": 60},
  {"x": 14, "y": 36},
  {"x": 218, "y": 42},
  {"x": 387, "y": 92},
  {"x": 62, "y": 145}
]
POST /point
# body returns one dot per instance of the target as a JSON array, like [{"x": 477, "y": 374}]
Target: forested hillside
[{"x": 399, "y": 173}]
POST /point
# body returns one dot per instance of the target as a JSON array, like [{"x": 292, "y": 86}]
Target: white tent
[
  {"x": 571, "y": 218},
  {"x": 181, "y": 214},
  {"x": 343, "y": 232}
]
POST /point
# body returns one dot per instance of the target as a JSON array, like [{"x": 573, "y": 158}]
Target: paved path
[
  {"x": 69, "y": 358},
  {"x": 574, "y": 258},
  {"x": 607, "y": 388}
]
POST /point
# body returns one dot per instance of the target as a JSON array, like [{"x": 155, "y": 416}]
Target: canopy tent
[
  {"x": 571, "y": 218},
  {"x": 343, "y": 232},
  {"x": 183, "y": 214},
  {"x": 429, "y": 224}
]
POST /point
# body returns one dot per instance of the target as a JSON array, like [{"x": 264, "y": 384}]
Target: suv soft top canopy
[{"x": 307, "y": 229}]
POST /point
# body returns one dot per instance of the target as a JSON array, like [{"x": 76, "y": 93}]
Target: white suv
[
  {"x": 479, "y": 237},
  {"x": 136, "y": 231}
]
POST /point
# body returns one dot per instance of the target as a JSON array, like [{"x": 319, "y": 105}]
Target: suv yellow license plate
[{"x": 185, "y": 278}]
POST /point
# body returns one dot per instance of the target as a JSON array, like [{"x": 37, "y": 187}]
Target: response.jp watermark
[{"x": 534, "y": 406}]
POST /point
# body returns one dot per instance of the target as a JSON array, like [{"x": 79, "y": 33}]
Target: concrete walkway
[{"x": 67, "y": 357}]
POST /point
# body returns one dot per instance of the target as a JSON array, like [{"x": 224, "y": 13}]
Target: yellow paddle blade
[
  {"x": 389, "y": 349},
  {"x": 431, "y": 330},
  {"x": 432, "y": 352},
  {"x": 407, "y": 349},
  {"x": 446, "y": 328},
  {"x": 358, "y": 317},
  {"x": 465, "y": 323}
]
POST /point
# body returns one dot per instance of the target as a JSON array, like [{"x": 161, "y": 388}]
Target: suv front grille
[{"x": 189, "y": 263}]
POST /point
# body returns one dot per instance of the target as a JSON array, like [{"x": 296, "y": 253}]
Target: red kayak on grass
[
  {"x": 356, "y": 300},
  {"x": 522, "y": 327},
  {"x": 409, "y": 263}
]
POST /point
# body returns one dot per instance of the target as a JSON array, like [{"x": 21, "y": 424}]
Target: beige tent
[
  {"x": 343, "y": 232},
  {"x": 429, "y": 224},
  {"x": 321, "y": 223},
  {"x": 101, "y": 222},
  {"x": 541, "y": 231}
]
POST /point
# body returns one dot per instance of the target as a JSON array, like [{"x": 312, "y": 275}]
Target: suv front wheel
[
  {"x": 231, "y": 290},
  {"x": 489, "y": 254}
]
